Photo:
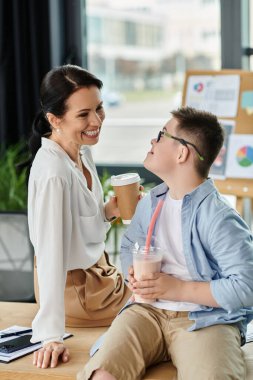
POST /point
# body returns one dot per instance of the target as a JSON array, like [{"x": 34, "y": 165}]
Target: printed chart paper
[
  {"x": 218, "y": 169},
  {"x": 214, "y": 93},
  {"x": 240, "y": 156},
  {"x": 247, "y": 102}
]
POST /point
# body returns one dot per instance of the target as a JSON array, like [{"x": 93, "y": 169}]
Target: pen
[{"x": 15, "y": 333}]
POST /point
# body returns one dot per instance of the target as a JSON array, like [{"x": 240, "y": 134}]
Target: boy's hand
[
  {"x": 167, "y": 287},
  {"x": 131, "y": 280},
  {"x": 158, "y": 285}
]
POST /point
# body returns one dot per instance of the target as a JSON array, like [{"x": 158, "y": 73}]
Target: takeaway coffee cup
[
  {"x": 146, "y": 261},
  {"x": 126, "y": 188}
]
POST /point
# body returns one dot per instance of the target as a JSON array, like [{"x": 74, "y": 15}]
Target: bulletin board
[{"x": 243, "y": 118}]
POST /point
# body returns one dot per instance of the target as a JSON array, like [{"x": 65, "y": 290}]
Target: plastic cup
[
  {"x": 146, "y": 262},
  {"x": 127, "y": 190}
]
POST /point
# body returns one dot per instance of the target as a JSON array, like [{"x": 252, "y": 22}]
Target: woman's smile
[{"x": 92, "y": 133}]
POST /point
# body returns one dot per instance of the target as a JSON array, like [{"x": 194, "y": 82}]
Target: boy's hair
[{"x": 202, "y": 129}]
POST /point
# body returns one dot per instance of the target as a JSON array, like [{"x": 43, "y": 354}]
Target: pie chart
[{"x": 244, "y": 156}]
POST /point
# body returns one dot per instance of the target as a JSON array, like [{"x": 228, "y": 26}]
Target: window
[
  {"x": 141, "y": 49},
  {"x": 95, "y": 30}
]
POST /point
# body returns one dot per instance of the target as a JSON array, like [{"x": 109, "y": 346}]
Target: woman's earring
[{"x": 58, "y": 130}]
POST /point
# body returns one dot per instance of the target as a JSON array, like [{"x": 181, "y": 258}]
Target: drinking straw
[{"x": 152, "y": 225}]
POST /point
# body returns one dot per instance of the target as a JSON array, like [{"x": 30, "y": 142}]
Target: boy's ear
[{"x": 182, "y": 154}]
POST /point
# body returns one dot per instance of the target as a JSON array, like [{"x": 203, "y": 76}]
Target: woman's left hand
[{"x": 49, "y": 355}]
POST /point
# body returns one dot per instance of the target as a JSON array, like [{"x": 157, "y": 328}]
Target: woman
[{"x": 67, "y": 218}]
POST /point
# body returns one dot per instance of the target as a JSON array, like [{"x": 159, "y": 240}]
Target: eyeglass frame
[{"x": 182, "y": 141}]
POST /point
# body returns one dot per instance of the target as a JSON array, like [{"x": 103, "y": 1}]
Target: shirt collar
[
  {"x": 198, "y": 194},
  {"x": 50, "y": 144}
]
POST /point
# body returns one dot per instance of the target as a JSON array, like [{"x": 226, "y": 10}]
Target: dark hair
[
  {"x": 56, "y": 87},
  {"x": 204, "y": 130}
]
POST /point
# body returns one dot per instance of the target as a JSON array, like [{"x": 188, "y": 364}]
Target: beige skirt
[{"x": 93, "y": 297}]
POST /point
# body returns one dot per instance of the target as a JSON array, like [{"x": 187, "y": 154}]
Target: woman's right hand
[{"x": 49, "y": 355}]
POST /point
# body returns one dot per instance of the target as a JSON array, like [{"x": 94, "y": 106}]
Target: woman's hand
[
  {"x": 141, "y": 188},
  {"x": 111, "y": 207},
  {"x": 49, "y": 355}
]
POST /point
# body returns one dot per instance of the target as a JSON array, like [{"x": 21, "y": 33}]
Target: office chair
[{"x": 16, "y": 258}]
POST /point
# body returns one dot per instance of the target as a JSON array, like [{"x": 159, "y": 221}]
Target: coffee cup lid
[{"x": 124, "y": 179}]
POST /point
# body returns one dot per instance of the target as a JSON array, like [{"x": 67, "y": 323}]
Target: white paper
[
  {"x": 14, "y": 355},
  {"x": 218, "y": 94},
  {"x": 218, "y": 169},
  {"x": 240, "y": 156}
]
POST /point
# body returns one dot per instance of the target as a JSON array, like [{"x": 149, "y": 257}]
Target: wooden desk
[
  {"x": 22, "y": 369},
  {"x": 79, "y": 345},
  {"x": 12, "y": 313}
]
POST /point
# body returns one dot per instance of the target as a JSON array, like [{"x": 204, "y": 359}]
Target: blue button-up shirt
[{"x": 218, "y": 248}]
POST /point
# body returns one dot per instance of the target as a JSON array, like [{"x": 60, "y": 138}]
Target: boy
[{"x": 204, "y": 292}]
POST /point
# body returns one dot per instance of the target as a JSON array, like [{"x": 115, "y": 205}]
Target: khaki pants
[{"x": 143, "y": 335}]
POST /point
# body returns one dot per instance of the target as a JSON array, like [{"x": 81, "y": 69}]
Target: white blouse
[{"x": 67, "y": 228}]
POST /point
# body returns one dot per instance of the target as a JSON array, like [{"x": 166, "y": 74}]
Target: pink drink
[{"x": 146, "y": 262}]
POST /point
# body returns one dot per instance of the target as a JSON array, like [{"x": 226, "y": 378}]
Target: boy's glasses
[{"x": 182, "y": 141}]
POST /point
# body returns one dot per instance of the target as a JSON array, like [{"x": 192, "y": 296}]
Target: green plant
[
  {"x": 117, "y": 224},
  {"x": 13, "y": 181},
  {"x": 106, "y": 184}
]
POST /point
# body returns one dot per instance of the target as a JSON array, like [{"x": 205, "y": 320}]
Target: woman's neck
[{"x": 73, "y": 150}]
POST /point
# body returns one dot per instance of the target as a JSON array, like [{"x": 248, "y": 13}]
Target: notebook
[{"x": 8, "y": 357}]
